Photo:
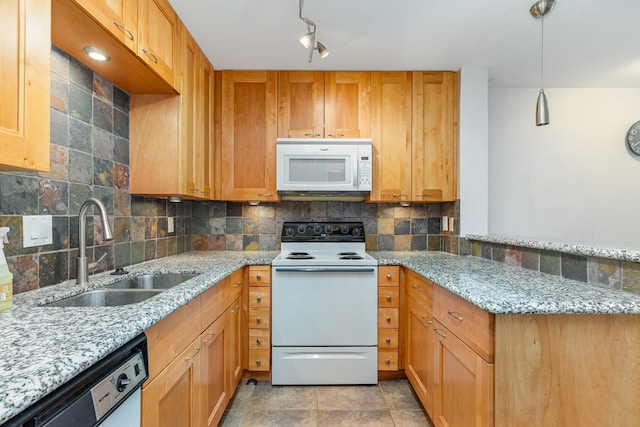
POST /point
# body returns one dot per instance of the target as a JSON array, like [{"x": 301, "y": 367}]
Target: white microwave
[{"x": 323, "y": 167}]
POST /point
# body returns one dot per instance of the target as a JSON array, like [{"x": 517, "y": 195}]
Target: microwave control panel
[{"x": 364, "y": 169}]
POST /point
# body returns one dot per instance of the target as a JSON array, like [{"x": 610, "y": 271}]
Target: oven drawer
[
  {"x": 260, "y": 275},
  {"x": 259, "y": 297},
  {"x": 259, "y": 318},
  {"x": 388, "y": 275},
  {"x": 259, "y": 360},
  {"x": 387, "y": 339},
  {"x": 388, "y": 318},
  {"x": 387, "y": 360},
  {"x": 388, "y": 297},
  {"x": 259, "y": 339}
]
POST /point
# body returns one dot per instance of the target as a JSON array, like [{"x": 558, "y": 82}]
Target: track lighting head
[
  {"x": 322, "y": 50},
  {"x": 309, "y": 39}
]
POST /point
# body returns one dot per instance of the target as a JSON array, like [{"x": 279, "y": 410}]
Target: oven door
[{"x": 324, "y": 306}]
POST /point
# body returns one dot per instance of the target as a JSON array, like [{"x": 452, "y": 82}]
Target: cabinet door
[
  {"x": 25, "y": 31},
  {"x": 347, "y": 111},
  {"x": 463, "y": 384},
  {"x": 300, "y": 104},
  {"x": 235, "y": 345},
  {"x": 419, "y": 352},
  {"x": 119, "y": 17},
  {"x": 159, "y": 39},
  {"x": 171, "y": 399},
  {"x": 434, "y": 137},
  {"x": 391, "y": 134},
  {"x": 248, "y": 145},
  {"x": 215, "y": 375}
]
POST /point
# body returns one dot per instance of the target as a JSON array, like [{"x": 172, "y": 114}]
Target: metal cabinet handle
[
  {"x": 389, "y": 298},
  {"x": 188, "y": 358},
  {"x": 258, "y": 276},
  {"x": 424, "y": 195},
  {"x": 150, "y": 55},
  {"x": 424, "y": 319},
  {"x": 389, "y": 276},
  {"x": 399, "y": 195},
  {"x": 236, "y": 309},
  {"x": 335, "y": 135},
  {"x": 437, "y": 331},
  {"x": 416, "y": 288},
  {"x": 258, "y": 319},
  {"x": 388, "y": 340},
  {"x": 258, "y": 362},
  {"x": 455, "y": 315},
  {"x": 265, "y": 194},
  {"x": 124, "y": 29},
  {"x": 237, "y": 284},
  {"x": 387, "y": 361},
  {"x": 259, "y": 340},
  {"x": 259, "y": 298},
  {"x": 209, "y": 337},
  {"x": 388, "y": 318},
  {"x": 311, "y": 135}
]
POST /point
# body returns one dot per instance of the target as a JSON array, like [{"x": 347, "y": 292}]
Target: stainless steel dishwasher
[{"x": 107, "y": 394}]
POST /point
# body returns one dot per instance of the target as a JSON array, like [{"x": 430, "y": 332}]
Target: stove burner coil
[
  {"x": 299, "y": 255},
  {"x": 351, "y": 257}
]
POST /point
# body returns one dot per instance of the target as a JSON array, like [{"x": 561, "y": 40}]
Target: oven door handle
[{"x": 326, "y": 269}]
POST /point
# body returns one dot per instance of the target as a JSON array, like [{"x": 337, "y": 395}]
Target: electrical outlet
[
  {"x": 37, "y": 230},
  {"x": 445, "y": 223},
  {"x": 451, "y": 224},
  {"x": 170, "y": 224}
]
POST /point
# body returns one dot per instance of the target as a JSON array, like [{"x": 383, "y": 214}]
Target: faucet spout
[{"x": 81, "y": 267}]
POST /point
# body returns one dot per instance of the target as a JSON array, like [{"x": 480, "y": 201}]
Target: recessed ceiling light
[{"x": 97, "y": 54}]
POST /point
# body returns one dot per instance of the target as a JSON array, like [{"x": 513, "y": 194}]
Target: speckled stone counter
[
  {"x": 575, "y": 249},
  {"x": 43, "y": 347}
]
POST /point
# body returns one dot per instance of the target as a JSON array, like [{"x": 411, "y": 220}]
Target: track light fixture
[
  {"x": 308, "y": 40},
  {"x": 539, "y": 10}
]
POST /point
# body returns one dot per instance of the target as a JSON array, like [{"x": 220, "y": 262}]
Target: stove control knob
[
  {"x": 301, "y": 229},
  {"x": 328, "y": 229},
  {"x": 317, "y": 229},
  {"x": 344, "y": 229},
  {"x": 288, "y": 231},
  {"x": 357, "y": 231}
]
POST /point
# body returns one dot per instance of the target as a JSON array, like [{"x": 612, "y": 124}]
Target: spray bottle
[{"x": 6, "y": 278}]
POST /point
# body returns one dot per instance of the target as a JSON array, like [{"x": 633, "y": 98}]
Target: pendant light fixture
[
  {"x": 308, "y": 40},
  {"x": 539, "y": 10}
]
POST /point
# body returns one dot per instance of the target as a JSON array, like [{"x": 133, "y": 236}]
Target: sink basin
[
  {"x": 106, "y": 298},
  {"x": 152, "y": 281}
]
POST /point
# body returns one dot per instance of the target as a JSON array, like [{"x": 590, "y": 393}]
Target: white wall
[
  {"x": 570, "y": 181},
  {"x": 474, "y": 153}
]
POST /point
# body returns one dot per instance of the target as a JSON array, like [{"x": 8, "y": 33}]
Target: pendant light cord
[{"x": 542, "y": 52}]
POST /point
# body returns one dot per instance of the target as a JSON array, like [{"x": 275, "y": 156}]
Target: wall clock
[{"x": 633, "y": 138}]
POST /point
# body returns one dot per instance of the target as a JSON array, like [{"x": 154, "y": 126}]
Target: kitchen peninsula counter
[{"x": 43, "y": 347}]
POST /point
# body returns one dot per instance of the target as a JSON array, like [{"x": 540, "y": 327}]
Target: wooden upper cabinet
[
  {"x": 347, "y": 104},
  {"x": 159, "y": 39},
  {"x": 435, "y": 136},
  {"x": 314, "y": 104},
  {"x": 248, "y": 136},
  {"x": 300, "y": 104},
  {"x": 25, "y": 31},
  {"x": 120, "y": 17},
  {"x": 391, "y": 136}
]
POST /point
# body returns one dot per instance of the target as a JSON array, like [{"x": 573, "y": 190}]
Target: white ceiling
[{"x": 588, "y": 43}]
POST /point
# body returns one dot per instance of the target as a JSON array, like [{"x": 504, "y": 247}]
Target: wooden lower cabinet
[
  {"x": 215, "y": 373},
  {"x": 172, "y": 397},
  {"x": 419, "y": 352},
  {"x": 234, "y": 350}
]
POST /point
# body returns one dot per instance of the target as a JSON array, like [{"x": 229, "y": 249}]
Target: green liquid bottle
[{"x": 6, "y": 278}]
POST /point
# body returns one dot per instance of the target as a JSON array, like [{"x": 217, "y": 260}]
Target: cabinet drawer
[
  {"x": 259, "y": 275},
  {"x": 259, "y": 318},
  {"x": 387, "y": 339},
  {"x": 259, "y": 297},
  {"x": 259, "y": 339},
  {"x": 388, "y": 297},
  {"x": 387, "y": 360},
  {"x": 388, "y": 275},
  {"x": 388, "y": 318},
  {"x": 259, "y": 360},
  {"x": 419, "y": 288},
  {"x": 468, "y": 322}
]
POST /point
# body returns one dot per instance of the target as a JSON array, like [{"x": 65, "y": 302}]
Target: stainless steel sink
[
  {"x": 106, "y": 298},
  {"x": 152, "y": 281}
]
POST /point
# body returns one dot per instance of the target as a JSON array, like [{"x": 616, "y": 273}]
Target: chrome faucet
[{"x": 82, "y": 267}]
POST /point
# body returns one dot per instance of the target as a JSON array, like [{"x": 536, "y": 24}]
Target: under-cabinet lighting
[{"x": 95, "y": 53}]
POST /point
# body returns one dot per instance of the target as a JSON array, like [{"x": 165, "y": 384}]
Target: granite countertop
[{"x": 43, "y": 347}]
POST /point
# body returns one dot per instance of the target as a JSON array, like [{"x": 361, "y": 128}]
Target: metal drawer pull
[
  {"x": 265, "y": 194},
  {"x": 124, "y": 29},
  {"x": 259, "y": 340},
  {"x": 258, "y": 319},
  {"x": 389, "y": 276},
  {"x": 209, "y": 337},
  {"x": 455, "y": 315},
  {"x": 388, "y": 340},
  {"x": 387, "y": 361},
  {"x": 258, "y": 362},
  {"x": 416, "y": 288},
  {"x": 437, "y": 331},
  {"x": 150, "y": 55},
  {"x": 259, "y": 298},
  {"x": 388, "y": 297},
  {"x": 188, "y": 358},
  {"x": 388, "y": 318},
  {"x": 258, "y": 276},
  {"x": 237, "y": 284}
]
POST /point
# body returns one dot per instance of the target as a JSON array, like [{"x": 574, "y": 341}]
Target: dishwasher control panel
[{"x": 118, "y": 384}]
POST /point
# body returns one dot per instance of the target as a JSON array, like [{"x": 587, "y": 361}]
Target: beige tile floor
[{"x": 390, "y": 403}]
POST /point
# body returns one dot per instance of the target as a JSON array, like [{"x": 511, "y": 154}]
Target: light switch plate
[
  {"x": 170, "y": 225},
  {"x": 445, "y": 223},
  {"x": 37, "y": 230}
]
